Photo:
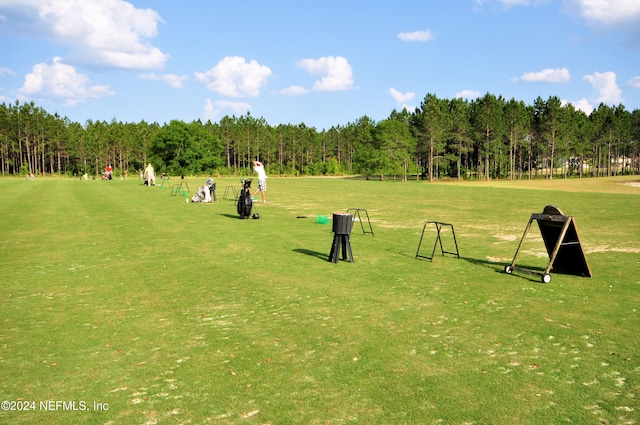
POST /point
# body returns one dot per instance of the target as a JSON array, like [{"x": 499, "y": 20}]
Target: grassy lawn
[{"x": 126, "y": 305}]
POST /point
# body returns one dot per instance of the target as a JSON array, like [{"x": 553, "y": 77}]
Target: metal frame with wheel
[
  {"x": 545, "y": 277},
  {"x": 562, "y": 243}
]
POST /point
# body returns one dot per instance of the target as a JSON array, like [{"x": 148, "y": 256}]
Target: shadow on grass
[
  {"x": 533, "y": 275},
  {"x": 497, "y": 267},
  {"x": 403, "y": 253},
  {"x": 322, "y": 255},
  {"x": 234, "y": 216}
]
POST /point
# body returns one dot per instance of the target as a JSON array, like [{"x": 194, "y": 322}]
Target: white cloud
[
  {"x": 422, "y": 36},
  {"x": 511, "y": 3},
  {"x": 399, "y": 96},
  {"x": 622, "y": 16},
  {"x": 605, "y": 84},
  {"x": 410, "y": 108},
  {"x": 173, "y": 80},
  {"x": 635, "y": 82},
  {"x": 548, "y": 75},
  {"x": 467, "y": 94},
  {"x": 62, "y": 82},
  {"x": 616, "y": 16},
  {"x": 6, "y": 71},
  {"x": 583, "y": 105},
  {"x": 337, "y": 73},
  {"x": 607, "y": 13},
  {"x": 293, "y": 91},
  {"x": 106, "y": 32},
  {"x": 234, "y": 77},
  {"x": 213, "y": 109}
]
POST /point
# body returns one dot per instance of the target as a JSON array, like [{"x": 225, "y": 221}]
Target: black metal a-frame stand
[
  {"x": 182, "y": 187},
  {"x": 562, "y": 243},
  {"x": 356, "y": 215},
  {"x": 439, "y": 225},
  {"x": 230, "y": 190}
]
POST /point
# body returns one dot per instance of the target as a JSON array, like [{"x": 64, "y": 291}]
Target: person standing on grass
[
  {"x": 151, "y": 175},
  {"x": 258, "y": 167}
]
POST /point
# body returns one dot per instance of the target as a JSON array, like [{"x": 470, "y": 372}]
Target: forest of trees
[{"x": 486, "y": 138}]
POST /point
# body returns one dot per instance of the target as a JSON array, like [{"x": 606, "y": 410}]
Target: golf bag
[
  {"x": 245, "y": 202},
  {"x": 198, "y": 197}
]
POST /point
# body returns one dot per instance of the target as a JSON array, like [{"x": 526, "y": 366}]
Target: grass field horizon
[{"x": 131, "y": 306}]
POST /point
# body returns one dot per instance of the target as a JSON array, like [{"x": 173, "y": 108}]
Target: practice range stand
[
  {"x": 164, "y": 179},
  {"x": 232, "y": 190},
  {"x": 181, "y": 187},
  {"x": 356, "y": 214},
  {"x": 438, "y": 225},
  {"x": 562, "y": 242},
  {"x": 342, "y": 225}
]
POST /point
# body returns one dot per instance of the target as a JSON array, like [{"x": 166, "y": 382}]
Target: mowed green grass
[{"x": 165, "y": 312}]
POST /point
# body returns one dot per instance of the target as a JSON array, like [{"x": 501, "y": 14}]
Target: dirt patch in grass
[
  {"x": 606, "y": 248},
  {"x": 498, "y": 259}
]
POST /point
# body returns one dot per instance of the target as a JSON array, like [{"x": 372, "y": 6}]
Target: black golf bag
[{"x": 245, "y": 202}]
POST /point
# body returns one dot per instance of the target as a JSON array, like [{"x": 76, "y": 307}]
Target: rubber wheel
[
  {"x": 546, "y": 278},
  {"x": 508, "y": 269}
]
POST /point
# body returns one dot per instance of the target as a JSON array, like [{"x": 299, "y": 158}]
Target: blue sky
[{"x": 321, "y": 63}]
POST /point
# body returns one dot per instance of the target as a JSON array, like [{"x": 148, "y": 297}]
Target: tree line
[{"x": 486, "y": 138}]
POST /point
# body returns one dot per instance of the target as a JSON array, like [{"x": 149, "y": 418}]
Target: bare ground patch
[{"x": 606, "y": 248}]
